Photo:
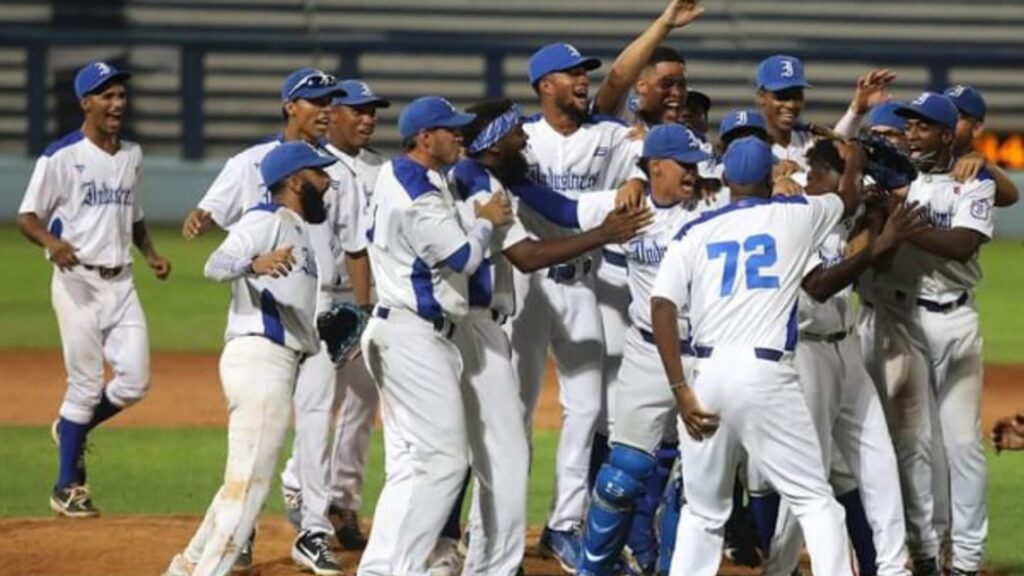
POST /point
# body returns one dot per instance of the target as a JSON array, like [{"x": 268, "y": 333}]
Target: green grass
[
  {"x": 188, "y": 312},
  {"x": 158, "y": 472}
]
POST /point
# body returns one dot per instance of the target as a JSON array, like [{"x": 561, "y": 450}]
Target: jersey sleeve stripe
[
  {"x": 412, "y": 177},
  {"x": 272, "y": 326},
  {"x": 67, "y": 140},
  {"x": 427, "y": 305}
]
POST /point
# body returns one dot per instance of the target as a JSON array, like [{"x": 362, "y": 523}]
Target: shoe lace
[
  {"x": 323, "y": 549},
  {"x": 293, "y": 500},
  {"x": 78, "y": 495}
]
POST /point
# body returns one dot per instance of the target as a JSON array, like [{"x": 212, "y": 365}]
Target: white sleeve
[
  {"x": 503, "y": 238},
  {"x": 593, "y": 207},
  {"x": 622, "y": 159},
  {"x": 225, "y": 198},
  {"x": 233, "y": 258},
  {"x": 44, "y": 192},
  {"x": 849, "y": 124},
  {"x": 826, "y": 211},
  {"x": 973, "y": 208},
  {"x": 350, "y": 223},
  {"x": 432, "y": 229},
  {"x": 673, "y": 280}
]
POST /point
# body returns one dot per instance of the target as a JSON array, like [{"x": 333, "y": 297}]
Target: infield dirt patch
[{"x": 186, "y": 392}]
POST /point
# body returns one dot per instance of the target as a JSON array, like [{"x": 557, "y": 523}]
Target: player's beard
[
  {"x": 512, "y": 168},
  {"x": 313, "y": 208}
]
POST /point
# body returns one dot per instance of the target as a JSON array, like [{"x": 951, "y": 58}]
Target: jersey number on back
[{"x": 758, "y": 252}]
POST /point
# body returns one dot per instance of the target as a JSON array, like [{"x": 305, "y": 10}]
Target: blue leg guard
[
  {"x": 766, "y": 513},
  {"x": 619, "y": 482},
  {"x": 643, "y": 541},
  {"x": 671, "y": 506},
  {"x": 861, "y": 535},
  {"x": 72, "y": 443},
  {"x": 598, "y": 456}
]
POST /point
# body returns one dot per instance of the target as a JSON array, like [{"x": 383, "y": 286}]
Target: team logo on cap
[
  {"x": 921, "y": 99},
  {"x": 957, "y": 91},
  {"x": 572, "y": 51},
  {"x": 693, "y": 139},
  {"x": 787, "y": 69},
  {"x": 103, "y": 68},
  {"x": 364, "y": 89},
  {"x": 741, "y": 117}
]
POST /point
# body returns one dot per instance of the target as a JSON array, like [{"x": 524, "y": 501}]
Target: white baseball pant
[
  {"x": 258, "y": 377},
  {"x": 500, "y": 452},
  {"x": 566, "y": 317},
  {"x": 612, "y": 289},
  {"x": 100, "y": 319},
  {"x": 955, "y": 353},
  {"x": 848, "y": 415},
  {"x": 417, "y": 370},
  {"x": 895, "y": 359},
  {"x": 761, "y": 410}
]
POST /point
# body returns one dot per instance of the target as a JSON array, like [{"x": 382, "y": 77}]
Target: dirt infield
[{"x": 186, "y": 392}]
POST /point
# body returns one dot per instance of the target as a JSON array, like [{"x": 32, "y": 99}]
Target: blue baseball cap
[
  {"x": 968, "y": 100},
  {"x": 358, "y": 93},
  {"x": 779, "y": 72},
  {"x": 748, "y": 161},
  {"x": 738, "y": 119},
  {"x": 884, "y": 114},
  {"x": 429, "y": 112},
  {"x": 674, "y": 141},
  {"x": 556, "y": 58},
  {"x": 931, "y": 107},
  {"x": 96, "y": 74},
  {"x": 309, "y": 84},
  {"x": 289, "y": 158}
]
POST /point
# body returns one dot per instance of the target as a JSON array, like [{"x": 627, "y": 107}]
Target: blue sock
[
  {"x": 104, "y": 411},
  {"x": 766, "y": 513},
  {"x": 598, "y": 455},
  {"x": 72, "y": 441},
  {"x": 861, "y": 535},
  {"x": 452, "y": 528}
]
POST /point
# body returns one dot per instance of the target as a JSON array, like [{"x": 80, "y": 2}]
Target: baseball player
[
  {"x": 269, "y": 257},
  {"x": 423, "y": 256},
  {"x": 352, "y": 123},
  {"x": 970, "y": 124},
  {"x": 942, "y": 264},
  {"x": 643, "y": 405},
  {"x": 83, "y": 206},
  {"x": 495, "y": 143},
  {"x": 745, "y": 391},
  {"x": 840, "y": 394},
  {"x": 306, "y": 96}
]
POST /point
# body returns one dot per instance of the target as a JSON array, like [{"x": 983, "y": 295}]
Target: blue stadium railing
[{"x": 195, "y": 45}]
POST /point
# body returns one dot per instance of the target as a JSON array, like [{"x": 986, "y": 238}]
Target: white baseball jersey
[
  {"x": 835, "y": 314},
  {"x": 800, "y": 142},
  {"x": 645, "y": 252},
  {"x": 491, "y": 286},
  {"x": 415, "y": 228},
  {"x": 280, "y": 309},
  {"x": 356, "y": 177},
  {"x": 239, "y": 186},
  {"x": 597, "y": 156},
  {"x": 88, "y": 197},
  {"x": 950, "y": 205},
  {"x": 739, "y": 268}
]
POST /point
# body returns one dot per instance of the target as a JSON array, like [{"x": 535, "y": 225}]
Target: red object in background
[{"x": 1007, "y": 152}]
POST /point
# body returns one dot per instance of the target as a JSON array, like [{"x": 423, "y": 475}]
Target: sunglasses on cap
[{"x": 314, "y": 80}]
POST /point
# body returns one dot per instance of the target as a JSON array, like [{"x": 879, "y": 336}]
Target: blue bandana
[{"x": 496, "y": 130}]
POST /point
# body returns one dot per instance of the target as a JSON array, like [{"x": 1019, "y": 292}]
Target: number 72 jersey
[{"x": 739, "y": 268}]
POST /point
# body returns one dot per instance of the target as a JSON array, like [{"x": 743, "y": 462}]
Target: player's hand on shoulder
[
  {"x": 872, "y": 90},
  {"x": 625, "y": 222},
  {"x": 497, "y": 209},
  {"x": 786, "y": 186},
  {"x": 679, "y": 13},
  {"x": 1008, "y": 433},
  {"x": 968, "y": 166},
  {"x": 275, "y": 264},
  {"x": 699, "y": 423},
  {"x": 160, "y": 266},
  {"x": 784, "y": 169},
  {"x": 197, "y": 222},
  {"x": 631, "y": 194},
  {"x": 62, "y": 254}
]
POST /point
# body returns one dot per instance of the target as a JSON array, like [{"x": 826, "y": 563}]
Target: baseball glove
[
  {"x": 340, "y": 328},
  {"x": 886, "y": 164}
]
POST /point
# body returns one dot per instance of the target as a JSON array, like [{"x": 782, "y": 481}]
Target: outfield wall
[{"x": 173, "y": 186}]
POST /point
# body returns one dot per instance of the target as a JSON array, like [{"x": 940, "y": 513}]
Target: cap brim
[
  {"x": 347, "y": 101},
  {"x": 588, "y": 63},
  {"x": 695, "y": 157},
  {"x": 314, "y": 93},
  {"x": 780, "y": 86},
  {"x": 112, "y": 78},
  {"x": 456, "y": 120},
  {"x": 918, "y": 114},
  {"x": 320, "y": 162}
]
